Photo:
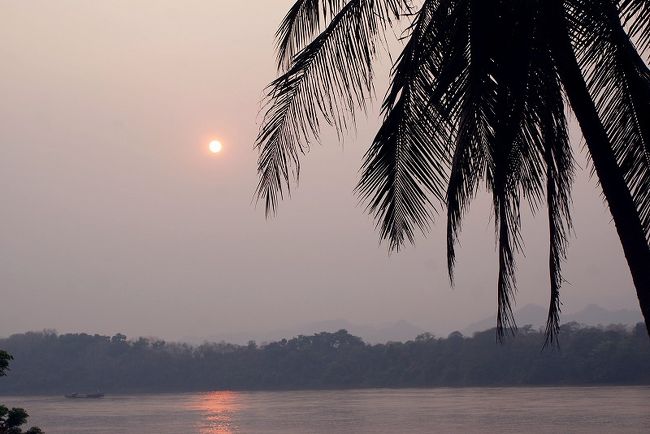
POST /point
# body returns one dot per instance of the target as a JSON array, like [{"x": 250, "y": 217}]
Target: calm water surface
[{"x": 514, "y": 410}]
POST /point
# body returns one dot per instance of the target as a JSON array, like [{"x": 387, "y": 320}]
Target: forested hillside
[{"x": 46, "y": 362}]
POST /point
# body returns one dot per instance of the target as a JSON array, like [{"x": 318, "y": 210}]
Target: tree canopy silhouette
[
  {"x": 47, "y": 363},
  {"x": 477, "y": 97},
  {"x": 12, "y": 419},
  {"x": 5, "y": 357}
]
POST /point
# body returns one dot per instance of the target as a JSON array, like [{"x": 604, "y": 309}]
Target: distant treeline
[{"x": 47, "y": 363}]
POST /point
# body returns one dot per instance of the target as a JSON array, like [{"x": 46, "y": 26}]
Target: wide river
[{"x": 493, "y": 410}]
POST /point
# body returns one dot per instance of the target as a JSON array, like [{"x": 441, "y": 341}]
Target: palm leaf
[
  {"x": 513, "y": 123},
  {"x": 619, "y": 81},
  {"x": 474, "y": 119},
  {"x": 300, "y": 25},
  {"x": 546, "y": 97},
  {"x": 511, "y": 151},
  {"x": 408, "y": 160},
  {"x": 532, "y": 150},
  {"x": 329, "y": 78},
  {"x": 636, "y": 17}
]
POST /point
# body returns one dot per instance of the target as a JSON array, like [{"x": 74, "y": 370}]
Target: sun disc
[{"x": 215, "y": 146}]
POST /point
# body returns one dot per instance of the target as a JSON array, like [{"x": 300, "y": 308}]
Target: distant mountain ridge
[
  {"x": 402, "y": 331},
  {"x": 535, "y": 315}
]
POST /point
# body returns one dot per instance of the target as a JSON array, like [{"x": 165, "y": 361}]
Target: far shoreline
[{"x": 109, "y": 395}]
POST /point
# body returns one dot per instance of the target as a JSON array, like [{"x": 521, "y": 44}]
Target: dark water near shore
[{"x": 498, "y": 410}]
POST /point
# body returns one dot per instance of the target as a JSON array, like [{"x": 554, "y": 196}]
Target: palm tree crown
[{"x": 477, "y": 97}]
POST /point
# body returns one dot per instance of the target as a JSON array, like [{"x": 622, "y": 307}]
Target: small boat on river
[{"x": 84, "y": 396}]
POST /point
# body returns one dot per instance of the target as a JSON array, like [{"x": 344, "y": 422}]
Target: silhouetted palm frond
[
  {"x": 619, "y": 80},
  {"x": 408, "y": 160},
  {"x": 635, "y": 15},
  {"x": 547, "y": 100},
  {"x": 559, "y": 179},
  {"x": 474, "y": 126},
  {"x": 300, "y": 25},
  {"x": 486, "y": 89},
  {"x": 328, "y": 79}
]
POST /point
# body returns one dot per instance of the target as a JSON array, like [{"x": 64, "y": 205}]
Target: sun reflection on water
[{"x": 218, "y": 409}]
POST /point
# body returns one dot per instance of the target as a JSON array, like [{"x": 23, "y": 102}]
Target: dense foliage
[
  {"x": 11, "y": 420},
  {"x": 5, "y": 357},
  {"x": 49, "y": 363}
]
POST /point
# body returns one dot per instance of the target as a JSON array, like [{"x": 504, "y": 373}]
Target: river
[{"x": 468, "y": 410}]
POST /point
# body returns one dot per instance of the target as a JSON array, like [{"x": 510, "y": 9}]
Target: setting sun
[{"x": 215, "y": 146}]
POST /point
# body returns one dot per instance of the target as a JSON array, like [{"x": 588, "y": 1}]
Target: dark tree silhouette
[
  {"x": 5, "y": 357},
  {"x": 47, "y": 363},
  {"x": 476, "y": 97},
  {"x": 12, "y": 420}
]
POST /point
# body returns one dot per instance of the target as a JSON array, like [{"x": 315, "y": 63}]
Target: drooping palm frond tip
[{"x": 455, "y": 87}]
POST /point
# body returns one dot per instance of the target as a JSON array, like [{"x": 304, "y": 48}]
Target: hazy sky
[{"x": 116, "y": 218}]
